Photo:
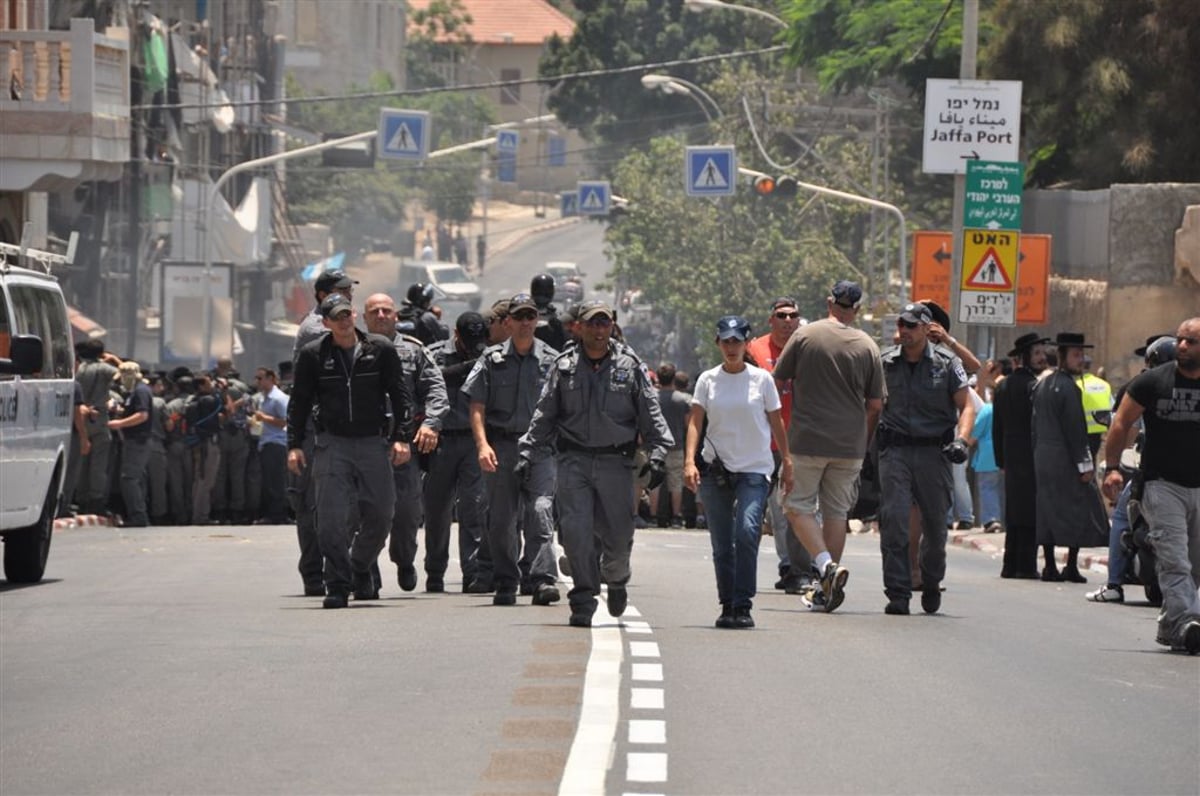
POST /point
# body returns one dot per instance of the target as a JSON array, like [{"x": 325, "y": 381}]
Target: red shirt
[{"x": 766, "y": 353}]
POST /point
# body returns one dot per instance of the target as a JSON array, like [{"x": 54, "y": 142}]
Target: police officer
[
  {"x": 300, "y": 494},
  {"x": 312, "y": 326},
  {"x": 920, "y": 436},
  {"x": 549, "y": 327},
  {"x": 179, "y": 458},
  {"x": 598, "y": 400},
  {"x": 454, "y": 467},
  {"x": 350, "y": 376},
  {"x": 417, "y": 319},
  {"x": 425, "y": 380},
  {"x": 503, "y": 389},
  {"x": 156, "y": 466}
]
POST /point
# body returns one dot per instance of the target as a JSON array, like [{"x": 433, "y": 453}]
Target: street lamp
[
  {"x": 677, "y": 85},
  {"x": 706, "y": 5}
]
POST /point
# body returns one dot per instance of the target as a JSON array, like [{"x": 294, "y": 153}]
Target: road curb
[
  {"x": 1096, "y": 562},
  {"x": 82, "y": 521},
  {"x": 518, "y": 236}
]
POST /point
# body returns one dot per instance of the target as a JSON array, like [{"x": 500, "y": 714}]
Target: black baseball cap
[
  {"x": 333, "y": 280},
  {"x": 335, "y": 305},
  {"x": 471, "y": 325},
  {"x": 916, "y": 313},
  {"x": 847, "y": 294},
  {"x": 733, "y": 327}
]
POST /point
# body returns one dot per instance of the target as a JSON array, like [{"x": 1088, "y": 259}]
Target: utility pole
[{"x": 977, "y": 340}]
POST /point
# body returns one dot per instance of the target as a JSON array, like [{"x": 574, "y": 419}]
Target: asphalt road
[
  {"x": 509, "y": 272},
  {"x": 183, "y": 660}
]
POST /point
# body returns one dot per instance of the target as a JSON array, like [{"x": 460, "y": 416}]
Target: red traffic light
[{"x": 784, "y": 187}]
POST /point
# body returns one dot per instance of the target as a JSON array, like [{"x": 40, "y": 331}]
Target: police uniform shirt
[
  {"x": 600, "y": 404},
  {"x": 458, "y": 414},
  {"x": 509, "y": 384},
  {"x": 920, "y": 395},
  {"x": 310, "y": 329},
  {"x": 158, "y": 418},
  {"x": 424, "y": 379}
]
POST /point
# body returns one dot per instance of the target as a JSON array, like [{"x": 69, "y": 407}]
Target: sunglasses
[
  {"x": 599, "y": 320},
  {"x": 907, "y": 324},
  {"x": 524, "y": 316},
  {"x": 787, "y": 316}
]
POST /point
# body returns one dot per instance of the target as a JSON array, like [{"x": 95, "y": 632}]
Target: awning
[{"x": 83, "y": 327}]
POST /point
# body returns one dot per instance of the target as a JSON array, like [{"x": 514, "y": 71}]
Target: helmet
[
  {"x": 541, "y": 287},
  {"x": 1160, "y": 351},
  {"x": 420, "y": 295}
]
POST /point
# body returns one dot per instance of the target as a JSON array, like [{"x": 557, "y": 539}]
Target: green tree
[
  {"x": 438, "y": 34},
  {"x": 1109, "y": 89},
  {"x": 616, "y": 110},
  {"x": 449, "y": 183}
]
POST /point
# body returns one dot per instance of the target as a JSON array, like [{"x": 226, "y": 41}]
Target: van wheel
[{"x": 27, "y": 549}]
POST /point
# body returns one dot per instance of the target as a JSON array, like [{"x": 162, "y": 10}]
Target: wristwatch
[{"x": 1111, "y": 468}]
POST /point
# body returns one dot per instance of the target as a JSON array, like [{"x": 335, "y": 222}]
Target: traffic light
[{"x": 783, "y": 187}]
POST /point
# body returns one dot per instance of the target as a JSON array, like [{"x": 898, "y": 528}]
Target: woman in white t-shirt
[{"x": 742, "y": 407}]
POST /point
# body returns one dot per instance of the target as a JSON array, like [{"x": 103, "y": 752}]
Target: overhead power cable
[{"x": 418, "y": 92}]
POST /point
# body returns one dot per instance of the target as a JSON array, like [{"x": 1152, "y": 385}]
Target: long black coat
[
  {"x": 1012, "y": 440},
  {"x": 1070, "y": 513}
]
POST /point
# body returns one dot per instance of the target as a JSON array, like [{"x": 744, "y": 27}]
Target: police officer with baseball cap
[
  {"x": 349, "y": 377},
  {"x": 596, "y": 403},
  {"x": 926, "y": 416},
  {"x": 454, "y": 466},
  {"x": 328, "y": 283},
  {"x": 503, "y": 389}
]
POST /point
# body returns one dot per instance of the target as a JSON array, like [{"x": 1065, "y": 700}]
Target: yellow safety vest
[{"x": 1097, "y": 397}]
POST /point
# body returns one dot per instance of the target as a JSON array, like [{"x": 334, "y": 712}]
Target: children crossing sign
[
  {"x": 989, "y": 277},
  {"x": 710, "y": 171}
]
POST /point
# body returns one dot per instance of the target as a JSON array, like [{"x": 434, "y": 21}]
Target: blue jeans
[
  {"x": 962, "y": 508},
  {"x": 735, "y": 516},
  {"x": 991, "y": 485},
  {"x": 1116, "y": 550}
]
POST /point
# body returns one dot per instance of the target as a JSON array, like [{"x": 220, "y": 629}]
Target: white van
[
  {"x": 37, "y": 391},
  {"x": 450, "y": 278}
]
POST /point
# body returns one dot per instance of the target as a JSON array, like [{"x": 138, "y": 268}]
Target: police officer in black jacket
[{"x": 347, "y": 374}]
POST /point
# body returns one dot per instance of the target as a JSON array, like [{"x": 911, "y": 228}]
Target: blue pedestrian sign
[
  {"x": 507, "y": 141},
  {"x": 506, "y": 167},
  {"x": 568, "y": 204},
  {"x": 403, "y": 134},
  {"x": 710, "y": 171},
  {"x": 594, "y": 198}
]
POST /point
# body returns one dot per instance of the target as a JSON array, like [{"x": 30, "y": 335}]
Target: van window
[
  {"x": 38, "y": 312},
  {"x": 5, "y": 334}
]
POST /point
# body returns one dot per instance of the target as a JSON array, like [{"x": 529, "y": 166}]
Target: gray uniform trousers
[
  {"x": 179, "y": 481},
  {"x": 302, "y": 496},
  {"x": 595, "y": 508},
  {"x": 348, "y": 472},
  {"x": 407, "y": 518},
  {"x": 504, "y": 489},
  {"x": 454, "y": 472},
  {"x": 206, "y": 457},
  {"x": 229, "y": 495},
  {"x": 135, "y": 454},
  {"x": 911, "y": 474},
  {"x": 156, "y": 479},
  {"x": 1173, "y": 514},
  {"x": 91, "y": 492}
]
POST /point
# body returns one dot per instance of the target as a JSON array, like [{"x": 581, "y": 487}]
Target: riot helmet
[
  {"x": 541, "y": 287},
  {"x": 420, "y": 295},
  {"x": 1160, "y": 351}
]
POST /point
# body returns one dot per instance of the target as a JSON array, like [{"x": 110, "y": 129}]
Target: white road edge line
[{"x": 595, "y": 735}]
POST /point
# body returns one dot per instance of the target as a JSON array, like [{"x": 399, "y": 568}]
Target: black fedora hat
[
  {"x": 1026, "y": 341},
  {"x": 1071, "y": 340},
  {"x": 1140, "y": 351}
]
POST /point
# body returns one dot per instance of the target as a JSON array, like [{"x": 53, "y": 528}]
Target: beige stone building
[
  {"x": 506, "y": 40},
  {"x": 332, "y": 44}
]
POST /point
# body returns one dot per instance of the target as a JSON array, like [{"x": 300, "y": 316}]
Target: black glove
[
  {"x": 522, "y": 470},
  {"x": 657, "y": 469},
  {"x": 956, "y": 452}
]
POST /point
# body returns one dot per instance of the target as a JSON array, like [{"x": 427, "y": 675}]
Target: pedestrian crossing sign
[
  {"x": 568, "y": 204},
  {"x": 710, "y": 171},
  {"x": 594, "y": 198},
  {"x": 403, "y": 134}
]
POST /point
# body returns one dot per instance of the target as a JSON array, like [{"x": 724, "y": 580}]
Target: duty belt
[
  {"x": 894, "y": 439},
  {"x": 497, "y": 433},
  {"x": 628, "y": 449}
]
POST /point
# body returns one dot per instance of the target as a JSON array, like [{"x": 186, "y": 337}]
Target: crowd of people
[{"x": 528, "y": 424}]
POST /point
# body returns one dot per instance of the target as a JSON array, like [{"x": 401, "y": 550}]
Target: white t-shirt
[{"x": 737, "y": 406}]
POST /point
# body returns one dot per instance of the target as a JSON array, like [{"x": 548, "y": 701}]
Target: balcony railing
[{"x": 75, "y": 71}]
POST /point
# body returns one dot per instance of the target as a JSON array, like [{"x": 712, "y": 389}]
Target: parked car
[
  {"x": 37, "y": 392},
  {"x": 568, "y": 281},
  {"x": 450, "y": 278}
]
